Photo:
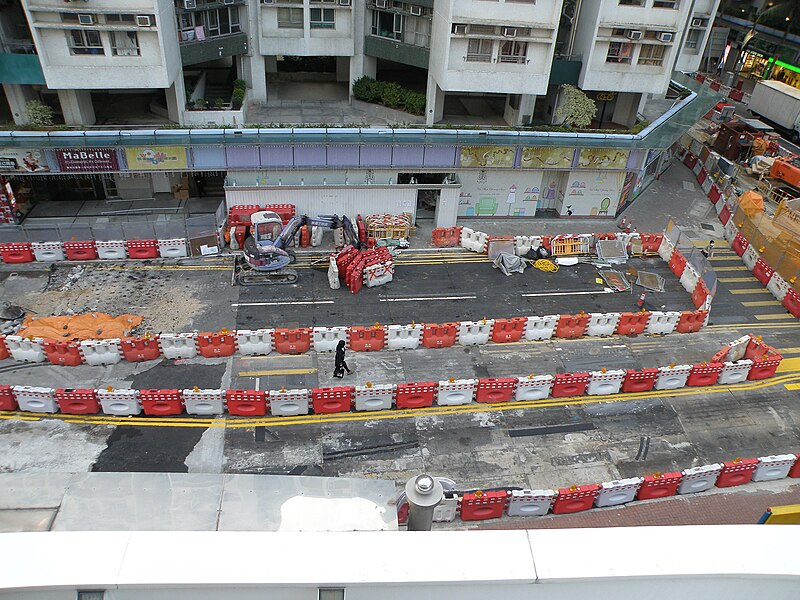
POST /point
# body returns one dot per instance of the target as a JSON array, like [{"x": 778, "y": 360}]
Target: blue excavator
[{"x": 266, "y": 249}]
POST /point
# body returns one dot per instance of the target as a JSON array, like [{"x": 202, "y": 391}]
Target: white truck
[{"x": 778, "y": 103}]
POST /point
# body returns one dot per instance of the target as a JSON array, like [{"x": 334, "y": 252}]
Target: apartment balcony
[
  {"x": 396, "y": 51},
  {"x": 565, "y": 69},
  {"x": 196, "y": 52},
  {"x": 20, "y": 68}
]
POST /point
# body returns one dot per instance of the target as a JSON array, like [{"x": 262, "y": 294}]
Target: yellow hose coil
[{"x": 546, "y": 265}]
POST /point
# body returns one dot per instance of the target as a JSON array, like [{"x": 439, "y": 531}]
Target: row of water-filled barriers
[
  {"x": 483, "y": 505},
  {"x": 747, "y": 358}
]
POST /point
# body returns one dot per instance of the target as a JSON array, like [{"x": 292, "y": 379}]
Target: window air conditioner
[
  {"x": 189, "y": 4},
  {"x": 227, "y": 2},
  {"x": 380, "y": 3},
  {"x": 459, "y": 29},
  {"x": 415, "y": 10},
  {"x": 86, "y": 19},
  {"x": 634, "y": 34},
  {"x": 509, "y": 31},
  {"x": 697, "y": 22},
  {"x": 143, "y": 20},
  {"x": 266, "y": 1},
  {"x": 344, "y": 2},
  {"x": 665, "y": 36}
]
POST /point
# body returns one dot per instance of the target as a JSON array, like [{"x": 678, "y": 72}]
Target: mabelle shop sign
[{"x": 72, "y": 160}]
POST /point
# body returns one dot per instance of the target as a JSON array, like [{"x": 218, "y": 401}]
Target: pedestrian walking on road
[
  {"x": 708, "y": 251},
  {"x": 340, "y": 364}
]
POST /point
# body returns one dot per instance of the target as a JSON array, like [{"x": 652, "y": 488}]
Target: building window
[
  {"x": 417, "y": 31},
  {"x": 85, "y": 41},
  {"x": 693, "y": 40},
  {"x": 124, "y": 43},
  {"x": 121, "y": 19},
  {"x": 331, "y": 594},
  {"x": 222, "y": 21},
  {"x": 290, "y": 18},
  {"x": 387, "y": 25},
  {"x": 513, "y": 52},
  {"x": 479, "y": 50},
  {"x": 651, "y": 55},
  {"x": 666, "y": 4},
  {"x": 482, "y": 30},
  {"x": 619, "y": 52},
  {"x": 631, "y": 2},
  {"x": 523, "y": 1},
  {"x": 322, "y": 18}
]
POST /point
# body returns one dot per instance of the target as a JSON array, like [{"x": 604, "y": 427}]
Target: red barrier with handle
[
  {"x": 161, "y": 402},
  {"x": 765, "y": 368},
  {"x": 78, "y": 401},
  {"x": 415, "y": 395},
  {"x": 639, "y": 381},
  {"x": 691, "y": 321},
  {"x": 572, "y": 326},
  {"x": 677, "y": 263},
  {"x": 762, "y": 271},
  {"x": 651, "y": 242},
  {"x": 366, "y": 339},
  {"x": 293, "y": 341},
  {"x": 725, "y": 215},
  {"x": 703, "y": 375},
  {"x": 247, "y": 403},
  {"x": 739, "y": 244},
  {"x": 632, "y": 323},
  {"x": 17, "y": 252},
  {"x": 80, "y": 250},
  {"x": 141, "y": 249},
  {"x": 508, "y": 330},
  {"x": 67, "y": 354},
  {"x": 795, "y": 470},
  {"x": 216, "y": 344},
  {"x": 439, "y": 336},
  {"x": 491, "y": 390},
  {"x": 736, "y": 472},
  {"x": 569, "y": 384},
  {"x": 4, "y": 353},
  {"x": 332, "y": 400},
  {"x": 699, "y": 294},
  {"x": 791, "y": 302},
  {"x": 480, "y": 506},
  {"x": 138, "y": 349},
  {"x": 575, "y": 499},
  {"x": 659, "y": 485},
  {"x": 7, "y": 399}
]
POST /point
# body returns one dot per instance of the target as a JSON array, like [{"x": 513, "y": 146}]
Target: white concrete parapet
[
  {"x": 204, "y": 402},
  {"x": 35, "y": 399},
  {"x": 325, "y": 339},
  {"x": 672, "y": 378},
  {"x": 689, "y": 278},
  {"x": 178, "y": 345},
  {"x": 665, "y": 249},
  {"x": 48, "y": 251},
  {"x": 374, "y": 397},
  {"x": 120, "y": 402},
  {"x": 172, "y": 248},
  {"x": 773, "y": 467},
  {"x": 101, "y": 352},
  {"x": 111, "y": 250},
  {"x": 735, "y": 372},
  {"x": 608, "y": 382},
  {"x": 778, "y": 286},
  {"x": 530, "y": 503},
  {"x": 540, "y": 328},
  {"x": 533, "y": 387},
  {"x": 602, "y": 324},
  {"x": 403, "y": 337},
  {"x": 621, "y": 491},
  {"x": 662, "y": 323},
  {"x": 285, "y": 403},
  {"x": 24, "y": 349},
  {"x": 458, "y": 391},
  {"x": 699, "y": 479},
  {"x": 750, "y": 257}
]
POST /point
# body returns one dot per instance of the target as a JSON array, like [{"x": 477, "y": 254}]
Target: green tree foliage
[
  {"x": 39, "y": 114},
  {"x": 576, "y": 109}
]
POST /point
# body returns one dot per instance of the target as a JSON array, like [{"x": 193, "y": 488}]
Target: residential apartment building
[{"x": 504, "y": 58}]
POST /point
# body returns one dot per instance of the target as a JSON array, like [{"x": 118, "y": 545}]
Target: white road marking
[
  {"x": 420, "y": 299},
  {"x": 604, "y": 291},
  {"x": 286, "y": 303}
]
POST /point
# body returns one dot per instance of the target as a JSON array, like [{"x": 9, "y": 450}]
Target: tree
[
  {"x": 39, "y": 114},
  {"x": 576, "y": 109}
]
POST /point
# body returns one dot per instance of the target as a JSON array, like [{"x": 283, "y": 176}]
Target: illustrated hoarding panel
[
  {"x": 156, "y": 158},
  {"x": 22, "y": 160},
  {"x": 72, "y": 160}
]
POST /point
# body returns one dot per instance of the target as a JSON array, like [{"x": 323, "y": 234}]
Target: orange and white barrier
[
  {"x": 101, "y": 352},
  {"x": 48, "y": 251},
  {"x": 325, "y": 339},
  {"x": 533, "y": 387},
  {"x": 530, "y": 503},
  {"x": 605, "y": 382},
  {"x": 111, "y": 250},
  {"x": 120, "y": 402},
  {"x": 284, "y": 403},
  {"x": 456, "y": 392},
  {"x": 24, "y": 349},
  {"x": 178, "y": 345},
  {"x": 403, "y": 337},
  {"x": 255, "y": 342},
  {"x": 35, "y": 399},
  {"x": 735, "y": 372},
  {"x": 474, "y": 240},
  {"x": 474, "y": 333},
  {"x": 750, "y": 257},
  {"x": 621, "y": 491},
  {"x": 172, "y": 248},
  {"x": 602, "y": 324},
  {"x": 773, "y": 467},
  {"x": 778, "y": 287},
  {"x": 699, "y": 479},
  {"x": 374, "y": 397},
  {"x": 541, "y": 328},
  {"x": 672, "y": 377},
  {"x": 203, "y": 402},
  {"x": 666, "y": 249}
]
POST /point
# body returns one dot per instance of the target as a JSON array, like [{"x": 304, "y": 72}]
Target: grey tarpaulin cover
[{"x": 509, "y": 263}]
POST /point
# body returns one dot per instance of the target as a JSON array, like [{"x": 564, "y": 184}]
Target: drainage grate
[{"x": 572, "y": 428}]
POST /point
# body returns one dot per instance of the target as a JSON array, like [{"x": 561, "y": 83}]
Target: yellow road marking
[
  {"x": 277, "y": 372},
  {"x": 736, "y": 279},
  {"x": 761, "y": 303},
  {"x": 275, "y": 355},
  {"x": 749, "y": 291},
  {"x": 732, "y": 268},
  {"x": 780, "y": 317},
  {"x": 241, "y": 423},
  {"x": 789, "y": 364},
  {"x": 792, "y": 386},
  {"x": 785, "y": 351}
]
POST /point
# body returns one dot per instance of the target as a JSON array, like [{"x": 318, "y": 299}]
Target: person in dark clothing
[{"x": 340, "y": 364}]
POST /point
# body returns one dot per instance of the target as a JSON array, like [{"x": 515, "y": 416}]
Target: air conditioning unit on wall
[
  {"x": 510, "y": 31},
  {"x": 380, "y": 3},
  {"x": 459, "y": 29},
  {"x": 665, "y": 36},
  {"x": 86, "y": 19},
  {"x": 344, "y": 2},
  {"x": 143, "y": 20},
  {"x": 415, "y": 10},
  {"x": 189, "y": 4},
  {"x": 697, "y": 23},
  {"x": 634, "y": 34}
]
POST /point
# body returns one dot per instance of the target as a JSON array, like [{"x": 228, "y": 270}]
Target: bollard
[{"x": 424, "y": 493}]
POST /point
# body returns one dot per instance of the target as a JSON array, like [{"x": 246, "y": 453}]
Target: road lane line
[
  {"x": 762, "y": 303},
  {"x": 742, "y": 291},
  {"x": 541, "y": 294},
  {"x": 283, "y": 303},
  {"x": 736, "y": 279},
  {"x": 777, "y": 317},
  {"x": 426, "y": 299},
  {"x": 308, "y": 371}
]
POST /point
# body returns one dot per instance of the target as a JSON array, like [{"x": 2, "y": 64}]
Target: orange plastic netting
[
  {"x": 95, "y": 325},
  {"x": 752, "y": 203}
]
